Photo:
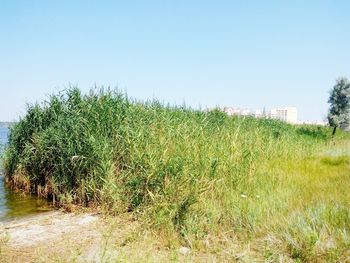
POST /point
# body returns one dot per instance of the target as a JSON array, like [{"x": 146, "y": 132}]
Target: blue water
[
  {"x": 3, "y": 136},
  {"x": 15, "y": 205}
]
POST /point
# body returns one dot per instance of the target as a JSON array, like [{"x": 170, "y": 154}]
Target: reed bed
[{"x": 199, "y": 178}]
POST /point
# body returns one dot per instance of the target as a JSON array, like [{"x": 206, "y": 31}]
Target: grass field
[{"x": 249, "y": 189}]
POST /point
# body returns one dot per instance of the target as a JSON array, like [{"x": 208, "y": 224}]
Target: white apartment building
[
  {"x": 245, "y": 112},
  {"x": 230, "y": 111},
  {"x": 258, "y": 114},
  {"x": 272, "y": 114},
  {"x": 287, "y": 114},
  {"x": 235, "y": 111}
]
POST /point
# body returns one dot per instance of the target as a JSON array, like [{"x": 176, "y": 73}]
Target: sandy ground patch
[
  {"x": 52, "y": 236},
  {"x": 44, "y": 228},
  {"x": 67, "y": 237}
]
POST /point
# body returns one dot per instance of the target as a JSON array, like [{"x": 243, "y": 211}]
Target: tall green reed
[{"x": 181, "y": 169}]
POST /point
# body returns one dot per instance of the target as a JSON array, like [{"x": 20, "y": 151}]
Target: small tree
[{"x": 339, "y": 100}]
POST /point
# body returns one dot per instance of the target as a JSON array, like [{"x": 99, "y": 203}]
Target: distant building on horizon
[
  {"x": 319, "y": 123},
  {"x": 236, "y": 111},
  {"x": 259, "y": 114},
  {"x": 287, "y": 114}
]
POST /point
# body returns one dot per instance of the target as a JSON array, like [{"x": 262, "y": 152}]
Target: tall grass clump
[{"x": 188, "y": 173}]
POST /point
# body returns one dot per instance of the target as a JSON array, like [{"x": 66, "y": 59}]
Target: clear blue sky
[{"x": 237, "y": 53}]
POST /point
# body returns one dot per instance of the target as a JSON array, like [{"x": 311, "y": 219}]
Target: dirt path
[
  {"x": 61, "y": 237},
  {"x": 52, "y": 236},
  {"x": 46, "y": 227}
]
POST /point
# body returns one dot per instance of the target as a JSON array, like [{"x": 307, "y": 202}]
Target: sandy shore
[
  {"x": 45, "y": 227},
  {"x": 84, "y": 237},
  {"x": 68, "y": 237},
  {"x": 52, "y": 236}
]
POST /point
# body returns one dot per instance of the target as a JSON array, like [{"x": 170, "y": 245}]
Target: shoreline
[
  {"x": 35, "y": 229},
  {"x": 84, "y": 237},
  {"x": 53, "y": 230}
]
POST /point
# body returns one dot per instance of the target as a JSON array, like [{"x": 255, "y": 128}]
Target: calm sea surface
[{"x": 15, "y": 205}]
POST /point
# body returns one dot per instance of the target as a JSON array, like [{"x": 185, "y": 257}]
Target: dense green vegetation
[
  {"x": 204, "y": 179},
  {"x": 339, "y": 100}
]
